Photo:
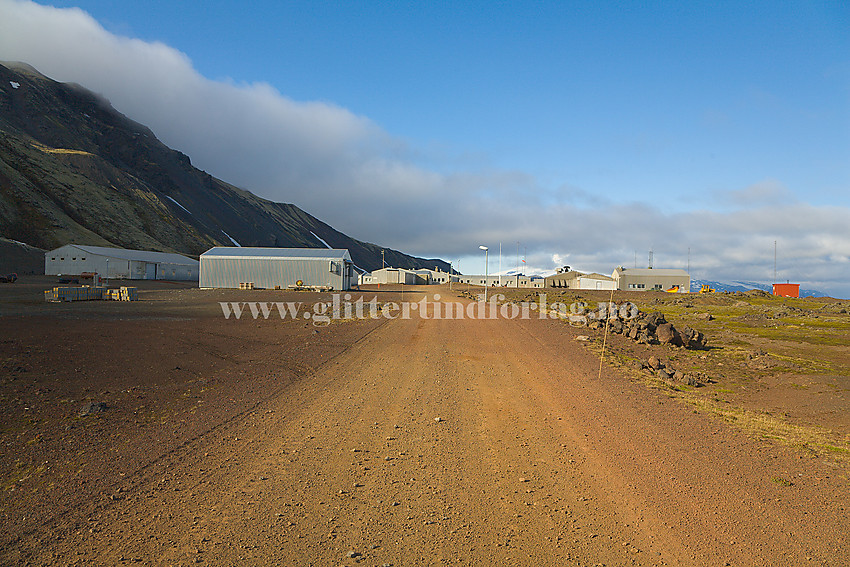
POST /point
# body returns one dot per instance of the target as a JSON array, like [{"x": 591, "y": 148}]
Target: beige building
[
  {"x": 502, "y": 281},
  {"x": 394, "y": 276},
  {"x": 578, "y": 280},
  {"x": 651, "y": 279}
]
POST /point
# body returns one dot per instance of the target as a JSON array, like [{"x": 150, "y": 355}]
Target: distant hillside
[
  {"x": 75, "y": 170},
  {"x": 747, "y": 286},
  {"x": 22, "y": 259}
]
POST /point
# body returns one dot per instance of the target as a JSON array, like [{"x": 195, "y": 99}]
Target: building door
[{"x": 150, "y": 271}]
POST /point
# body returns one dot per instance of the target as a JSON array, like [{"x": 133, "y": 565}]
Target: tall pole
[
  {"x": 486, "y": 270},
  {"x": 500, "y": 264},
  {"x": 774, "y": 261}
]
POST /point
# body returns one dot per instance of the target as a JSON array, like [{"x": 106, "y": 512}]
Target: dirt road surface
[{"x": 448, "y": 442}]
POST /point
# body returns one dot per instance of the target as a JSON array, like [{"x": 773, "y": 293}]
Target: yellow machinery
[
  {"x": 706, "y": 289},
  {"x": 674, "y": 289}
]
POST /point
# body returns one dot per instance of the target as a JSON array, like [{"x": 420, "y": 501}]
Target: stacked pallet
[
  {"x": 84, "y": 293},
  {"x": 122, "y": 294},
  {"x": 87, "y": 293}
]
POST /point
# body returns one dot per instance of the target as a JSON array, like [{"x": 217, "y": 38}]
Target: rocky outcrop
[
  {"x": 663, "y": 371},
  {"x": 649, "y": 328}
]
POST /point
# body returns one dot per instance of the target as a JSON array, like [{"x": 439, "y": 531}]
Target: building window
[{"x": 74, "y": 259}]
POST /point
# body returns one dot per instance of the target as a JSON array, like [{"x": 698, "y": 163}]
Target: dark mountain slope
[{"x": 73, "y": 169}]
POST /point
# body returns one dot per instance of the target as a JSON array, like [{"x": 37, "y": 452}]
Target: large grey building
[
  {"x": 649, "y": 279},
  {"x": 118, "y": 263},
  {"x": 229, "y": 266}
]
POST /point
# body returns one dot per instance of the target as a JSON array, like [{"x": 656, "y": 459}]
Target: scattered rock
[
  {"x": 666, "y": 333},
  {"x": 690, "y": 380},
  {"x": 353, "y": 554},
  {"x": 692, "y": 339},
  {"x": 705, "y": 316},
  {"x": 582, "y": 338},
  {"x": 438, "y": 419},
  {"x": 93, "y": 408},
  {"x": 654, "y": 363},
  {"x": 615, "y": 326}
]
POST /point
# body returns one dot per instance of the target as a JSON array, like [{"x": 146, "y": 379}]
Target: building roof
[
  {"x": 279, "y": 253},
  {"x": 572, "y": 274},
  {"x": 595, "y": 276},
  {"x": 135, "y": 255},
  {"x": 650, "y": 272}
]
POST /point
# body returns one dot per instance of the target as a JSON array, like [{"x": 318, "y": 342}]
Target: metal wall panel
[{"x": 267, "y": 273}]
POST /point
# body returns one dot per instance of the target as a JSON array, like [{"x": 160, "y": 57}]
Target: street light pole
[{"x": 486, "y": 268}]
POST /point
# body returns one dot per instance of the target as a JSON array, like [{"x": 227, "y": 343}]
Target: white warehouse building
[
  {"x": 118, "y": 263},
  {"x": 268, "y": 268}
]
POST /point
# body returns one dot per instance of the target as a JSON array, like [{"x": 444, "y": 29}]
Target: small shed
[
  {"x": 396, "y": 276},
  {"x": 268, "y": 268},
  {"x": 786, "y": 289},
  {"x": 119, "y": 263}
]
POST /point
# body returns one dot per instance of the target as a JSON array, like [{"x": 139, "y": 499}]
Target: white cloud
[{"x": 350, "y": 173}]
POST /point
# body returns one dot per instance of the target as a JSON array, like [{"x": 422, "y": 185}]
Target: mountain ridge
[{"x": 75, "y": 170}]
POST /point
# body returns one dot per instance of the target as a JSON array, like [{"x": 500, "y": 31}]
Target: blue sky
[{"x": 587, "y": 131}]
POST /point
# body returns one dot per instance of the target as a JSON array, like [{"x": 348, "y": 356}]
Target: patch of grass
[
  {"x": 21, "y": 473},
  {"x": 834, "y": 449},
  {"x": 781, "y": 481},
  {"x": 49, "y": 150},
  {"x": 761, "y": 424}
]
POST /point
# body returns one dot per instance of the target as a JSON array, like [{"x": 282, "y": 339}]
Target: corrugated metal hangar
[
  {"x": 228, "y": 267},
  {"x": 76, "y": 259}
]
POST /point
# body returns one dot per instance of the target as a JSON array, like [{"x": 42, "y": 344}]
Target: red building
[{"x": 786, "y": 289}]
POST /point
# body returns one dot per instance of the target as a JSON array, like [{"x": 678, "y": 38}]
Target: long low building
[
  {"x": 118, "y": 263},
  {"x": 649, "y": 279},
  {"x": 503, "y": 281},
  {"x": 268, "y": 268},
  {"x": 395, "y": 276},
  {"x": 421, "y": 276}
]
